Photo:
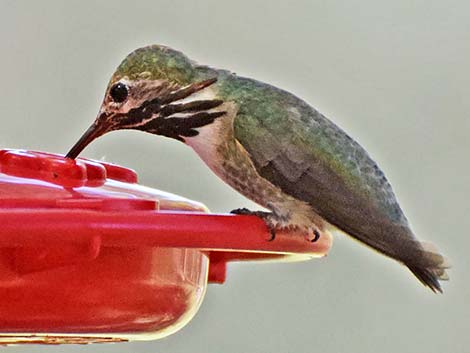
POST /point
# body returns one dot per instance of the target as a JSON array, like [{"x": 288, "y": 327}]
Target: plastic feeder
[{"x": 88, "y": 255}]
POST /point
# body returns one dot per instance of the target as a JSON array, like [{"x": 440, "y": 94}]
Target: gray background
[{"x": 394, "y": 74}]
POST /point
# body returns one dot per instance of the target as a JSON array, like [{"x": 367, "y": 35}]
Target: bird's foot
[
  {"x": 268, "y": 217},
  {"x": 276, "y": 224}
]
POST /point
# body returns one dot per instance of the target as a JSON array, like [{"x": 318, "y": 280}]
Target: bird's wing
[{"x": 306, "y": 155}]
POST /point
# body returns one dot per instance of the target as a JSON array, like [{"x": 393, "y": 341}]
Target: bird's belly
[{"x": 230, "y": 162}]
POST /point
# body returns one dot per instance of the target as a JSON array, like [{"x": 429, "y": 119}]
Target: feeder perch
[{"x": 89, "y": 255}]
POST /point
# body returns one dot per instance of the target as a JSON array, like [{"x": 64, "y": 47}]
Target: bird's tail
[
  {"x": 399, "y": 243},
  {"x": 429, "y": 266}
]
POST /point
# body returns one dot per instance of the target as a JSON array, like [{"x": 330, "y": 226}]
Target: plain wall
[{"x": 394, "y": 74}]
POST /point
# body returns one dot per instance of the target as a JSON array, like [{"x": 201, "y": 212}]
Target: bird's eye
[{"x": 119, "y": 92}]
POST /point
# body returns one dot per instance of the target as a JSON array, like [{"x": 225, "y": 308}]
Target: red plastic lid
[
  {"x": 74, "y": 231},
  {"x": 61, "y": 202}
]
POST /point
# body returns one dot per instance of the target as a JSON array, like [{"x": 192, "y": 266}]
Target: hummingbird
[{"x": 270, "y": 146}]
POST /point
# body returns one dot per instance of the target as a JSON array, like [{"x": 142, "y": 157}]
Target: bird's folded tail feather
[{"x": 430, "y": 267}]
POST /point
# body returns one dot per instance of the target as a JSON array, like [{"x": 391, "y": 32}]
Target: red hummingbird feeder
[{"x": 88, "y": 255}]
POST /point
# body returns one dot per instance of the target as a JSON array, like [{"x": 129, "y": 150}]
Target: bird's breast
[{"x": 217, "y": 146}]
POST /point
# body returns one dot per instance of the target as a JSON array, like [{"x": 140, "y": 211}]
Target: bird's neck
[{"x": 211, "y": 140}]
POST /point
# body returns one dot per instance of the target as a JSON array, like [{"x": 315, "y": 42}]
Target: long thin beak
[{"x": 93, "y": 132}]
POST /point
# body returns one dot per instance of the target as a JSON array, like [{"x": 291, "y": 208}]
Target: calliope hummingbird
[{"x": 270, "y": 146}]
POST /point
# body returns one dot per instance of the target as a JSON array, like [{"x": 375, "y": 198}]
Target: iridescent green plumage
[
  {"x": 266, "y": 111},
  {"x": 274, "y": 148},
  {"x": 156, "y": 62}
]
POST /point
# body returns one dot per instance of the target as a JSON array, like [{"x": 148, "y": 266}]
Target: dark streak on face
[
  {"x": 179, "y": 127},
  {"x": 152, "y": 115}
]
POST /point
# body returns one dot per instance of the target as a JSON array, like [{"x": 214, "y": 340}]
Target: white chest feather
[{"x": 207, "y": 144}]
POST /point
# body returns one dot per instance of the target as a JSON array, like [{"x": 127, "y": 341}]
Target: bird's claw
[
  {"x": 272, "y": 231},
  {"x": 265, "y": 216},
  {"x": 242, "y": 211},
  {"x": 316, "y": 236}
]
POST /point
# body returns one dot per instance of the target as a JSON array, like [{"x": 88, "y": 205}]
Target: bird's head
[{"x": 152, "y": 91}]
